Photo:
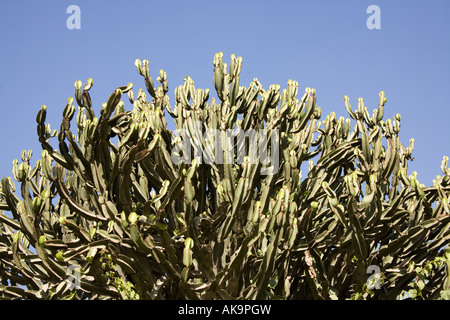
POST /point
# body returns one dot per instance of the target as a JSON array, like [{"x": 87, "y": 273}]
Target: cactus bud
[
  {"x": 280, "y": 194},
  {"x": 164, "y": 188},
  {"x": 123, "y": 220},
  {"x": 45, "y": 194},
  {"x": 110, "y": 226},
  {"x": 133, "y": 217},
  {"x": 187, "y": 252},
  {"x": 36, "y": 203},
  {"x": 16, "y": 236},
  {"x": 88, "y": 84},
  {"x": 189, "y": 243},
  {"x": 21, "y": 173},
  {"x": 59, "y": 256},
  {"x": 446, "y": 205},
  {"x": 42, "y": 240},
  {"x": 137, "y": 64},
  {"x": 444, "y": 165},
  {"x": 256, "y": 212},
  {"x": 62, "y": 220},
  {"x": 91, "y": 254},
  {"x": 219, "y": 189},
  {"x": 92, "y": 232}
]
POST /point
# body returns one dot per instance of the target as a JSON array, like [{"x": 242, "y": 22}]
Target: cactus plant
[{"x": 120, "y": 198}]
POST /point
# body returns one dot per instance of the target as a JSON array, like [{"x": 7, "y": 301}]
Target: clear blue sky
[{"x": 321, "y": 44}]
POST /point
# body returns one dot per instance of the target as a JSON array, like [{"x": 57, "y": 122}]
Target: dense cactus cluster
[{"x": 121, "y": 209}]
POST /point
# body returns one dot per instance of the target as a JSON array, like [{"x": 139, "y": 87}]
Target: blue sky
[{"x": 322, "y": 44}]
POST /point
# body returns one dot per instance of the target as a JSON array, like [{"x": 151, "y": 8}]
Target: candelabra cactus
[{"x": 125, "y": 202}]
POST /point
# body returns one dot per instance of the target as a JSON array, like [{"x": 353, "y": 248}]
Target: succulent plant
[{"x": 122, "y": 200}]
